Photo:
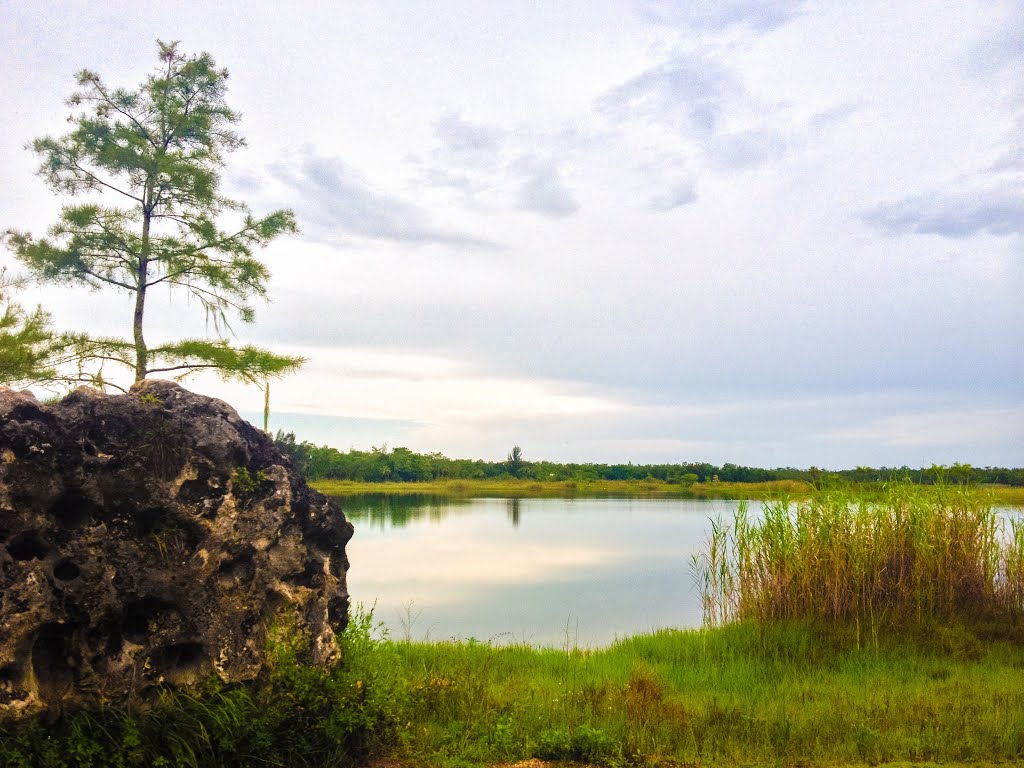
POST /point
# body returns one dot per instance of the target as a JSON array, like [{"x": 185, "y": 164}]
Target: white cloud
[
  {"x": 467, "y": 142},
  {"x": 332, "y": 198},
  {"x": 993, "y": 206},
  {"x": 717, "y": 15},
  {"x": 681, "y": 194},
  {"x": 686, "y": 92},
  {"x": 544, "y": 192}
]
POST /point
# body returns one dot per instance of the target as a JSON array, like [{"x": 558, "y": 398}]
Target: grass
[
  {"x": 850, "y": 631},
  {"x": 909, "y": 554},
  {"x": 514, "y": 488},
  {"x": 782, "y": 694},
  {"x": 785, "y": 694}
]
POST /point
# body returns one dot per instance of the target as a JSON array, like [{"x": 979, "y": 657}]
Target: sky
[{"x": 767, "y": 233}]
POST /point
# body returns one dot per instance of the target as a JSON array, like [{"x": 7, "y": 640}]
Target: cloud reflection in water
[{"x": 590, "y": 568}]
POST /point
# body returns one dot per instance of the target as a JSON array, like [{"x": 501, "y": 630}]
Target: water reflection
[
  {"x": 385, "y": 511},
  {"x": 526, "y": 569},
  {"x": 513, "y": 512}
]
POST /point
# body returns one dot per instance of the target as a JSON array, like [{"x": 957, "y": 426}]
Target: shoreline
[{"x": 627, "y": 489}]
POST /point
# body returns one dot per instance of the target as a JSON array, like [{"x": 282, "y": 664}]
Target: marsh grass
[
  {"x": 515, "y": 488},
  {"x": 908, "y": 554}
]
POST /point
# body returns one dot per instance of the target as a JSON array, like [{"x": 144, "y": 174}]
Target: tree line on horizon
[{"x": 400, "y": 464}]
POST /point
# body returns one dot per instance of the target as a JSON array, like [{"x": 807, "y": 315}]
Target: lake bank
[
  {"x": 526, "y": 489},
  {"x": 515, "y": 488}
]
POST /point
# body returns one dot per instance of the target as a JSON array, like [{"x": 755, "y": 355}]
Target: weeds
[
  {"x": 246, "y": 483},
  {"x": 913, "y": 555}
]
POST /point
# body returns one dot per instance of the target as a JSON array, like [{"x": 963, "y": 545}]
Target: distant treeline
[{"x": 402, "y": 464}]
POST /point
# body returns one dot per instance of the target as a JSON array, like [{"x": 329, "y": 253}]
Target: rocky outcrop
[{"x": 150, "y": 538}]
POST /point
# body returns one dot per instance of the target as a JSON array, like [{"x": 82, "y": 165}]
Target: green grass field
[{"x": 745, "y": 694}]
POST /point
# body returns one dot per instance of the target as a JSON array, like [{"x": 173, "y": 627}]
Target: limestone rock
[{"x": 152, "y": 538}]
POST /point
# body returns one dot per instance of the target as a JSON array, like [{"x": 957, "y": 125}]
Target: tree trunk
[
  {"x": 140, "y": 342},
  {"x": 141, "y": 361}
]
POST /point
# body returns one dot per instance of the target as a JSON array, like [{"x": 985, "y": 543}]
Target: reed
[{"x": 908, "y": 554}]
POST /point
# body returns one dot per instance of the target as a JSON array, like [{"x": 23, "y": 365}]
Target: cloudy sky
[{"x": 771, "y": 233}]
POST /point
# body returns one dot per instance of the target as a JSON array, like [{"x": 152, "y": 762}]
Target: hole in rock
[
  {"x": 274, "y": 601},
  {"x": 51, "y": 664},
  {"x": 179, "y": 657},
  {"x": 139, "y": 614},
  {"x": 311, "y": 576},
  {"x": 66, "y": 570},
  {"x": 151, "y": 520},
  {"x": 203, "y": 487},
  {"x": 72, "y": 509},
  {"x": 249, "y": 621},
  {"x": 27, "y": 547},
  {"x": 240, "y": 565},
  {"x": 337, "y": 611},
  {"x": 171, "y": 535}
]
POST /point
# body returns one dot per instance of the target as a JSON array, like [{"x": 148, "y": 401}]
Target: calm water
[{"x": 541, "y": 571}]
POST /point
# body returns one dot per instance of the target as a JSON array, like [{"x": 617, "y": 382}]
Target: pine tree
[{"x": 149, "y": 160}]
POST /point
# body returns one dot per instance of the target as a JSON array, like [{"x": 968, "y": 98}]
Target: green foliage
[
  {"x": 245, "y": 483},
  {"x": 515, "y": 462},
  {"x": 582, "y": 744},
  {"x": 26, "y": 343},
  {"x": 158, "y": 151},
  {"x": 688, "y": 479},
  {"x": 401, "y": 464}
]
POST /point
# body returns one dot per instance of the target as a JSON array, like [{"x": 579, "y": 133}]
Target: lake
[{"x": 541, "y": 571}]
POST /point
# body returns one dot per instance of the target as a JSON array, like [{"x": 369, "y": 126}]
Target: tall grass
[{"x": 909, "y": 554}]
